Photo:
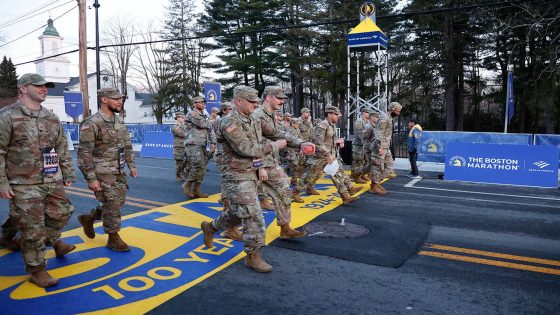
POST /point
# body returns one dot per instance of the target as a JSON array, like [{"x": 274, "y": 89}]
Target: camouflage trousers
[
  {"x": 314, "y": 171},
  {"x": 111, "y": 197},
  {"x": 277, "y": 187},
  {"x": 9, "y": 229},
  {"x": 296, "y": 164},
  {"x": 381, "y": 166},
  {"x": 180, "y": 167},
  {"x": 197, "y": 159},
  {"x": 39, "y": 212},
  {"x": 243, "y": 209},
  {"x": 358, "y": 159},
  {"x": 366, "y": 168}
]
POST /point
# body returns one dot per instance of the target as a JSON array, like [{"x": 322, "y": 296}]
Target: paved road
[{"x": 490, "y": 249}]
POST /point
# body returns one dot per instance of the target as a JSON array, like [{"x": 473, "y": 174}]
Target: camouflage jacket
[
  {"x": 25, "y": 138},
  {"x": 306, "y": 129},
  {"x": 368, "y": 136},
  {"x": 273, "y": 130},
  {"x": 198, "y": 129},
  {"x": 324, "y": 139},
  {"x": 293, "y": 153},
  {"x": 384, "y": 131},
  {"x": 243, "y": 146},
  {"x": 179, "y": 133},
  {"x": 358, "y": 129},
  {"x": 105, "y": 146},
  {"x": 219, "y": 140}
]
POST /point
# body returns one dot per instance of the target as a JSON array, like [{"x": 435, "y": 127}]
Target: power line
[
  {"x": 40, "y": 27},
  {"x": 30, "y": 12},
  {"x": 308, "y": 25},
  {"x": 34, "y": 15}
]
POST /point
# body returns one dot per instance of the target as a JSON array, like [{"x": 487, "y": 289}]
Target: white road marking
[
  {"x": 412, "y": 182},
  {"x": 485, "y": 193}
]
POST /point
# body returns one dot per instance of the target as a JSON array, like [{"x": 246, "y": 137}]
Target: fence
[{"x": 136, "y": 131}]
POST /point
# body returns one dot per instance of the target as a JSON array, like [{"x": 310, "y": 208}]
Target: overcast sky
[{"x": 28, "y": 47}]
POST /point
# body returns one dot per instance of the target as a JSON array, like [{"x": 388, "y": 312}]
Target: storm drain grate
[{"x": 332, "y": 229}]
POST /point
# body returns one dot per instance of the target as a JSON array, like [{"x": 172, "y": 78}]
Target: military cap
[
  {"x": 305, "y": 110},
  {"x": 109, "y": 92},
  {"x": 225, "y": 106},
  {"x": 289, "y": 115},
  {"x": 215, "y": 109},
  {"x": 394, "y": 106},
  {"x": 279, "y": 113},
  {"x": 364, "y": 110},
  {"x": 198, "y": 99},
  {"x": 373, "y": 112},
  {"x": 35, "y": 79},
  {"x": 296, "y": 121},
  {"x": 179, "y": 114},
  {"x": 276, "y": 91},
  {"x": 332, "y": 109},
  {"x": 248, "y": 93}
]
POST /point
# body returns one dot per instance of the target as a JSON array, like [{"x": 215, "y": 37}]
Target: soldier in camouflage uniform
[
  {"x": 198, "y": 137},
  {"x": 358, "y": 148},
  {"x": 35, "y": 166},
  {"x": 296, "y": 161},
  {"x": 274, "y": 179},
  {"x": 381, "y": 158},
  {"x": 368, "y": 137},
  {"x": 105, "y": 150},
  {"x": 9, "y": 235},
  {"x": 306, "y": 126},
  {"x": 179, "y": 133},
  {"x": 327, "y": 152},
  {"x": 244, "y": 147}
]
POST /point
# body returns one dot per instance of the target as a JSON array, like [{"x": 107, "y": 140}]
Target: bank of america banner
[
  {"x": 523, "y": 165},
  {"x": 157, "y": 145}
]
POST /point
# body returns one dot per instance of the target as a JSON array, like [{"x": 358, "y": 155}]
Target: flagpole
[{"x": 509, "y": 93}]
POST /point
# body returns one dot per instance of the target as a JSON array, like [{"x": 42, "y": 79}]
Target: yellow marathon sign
[{"x": 167, "y": 257}]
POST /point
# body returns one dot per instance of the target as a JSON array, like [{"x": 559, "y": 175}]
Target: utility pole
[
  {"x": 83, "y": 56},
  {"x": 96, "y": 5}
]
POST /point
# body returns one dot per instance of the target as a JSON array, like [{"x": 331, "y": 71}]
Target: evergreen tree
[{"x": 8, "y": 79}]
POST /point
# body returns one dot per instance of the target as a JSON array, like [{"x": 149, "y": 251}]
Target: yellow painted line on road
[
  {"x": 495, "y": 255},
  {"x": 157, "y": 203},
  {"x": 490, "y": 262},
  {"x": 139, "y": 205}
]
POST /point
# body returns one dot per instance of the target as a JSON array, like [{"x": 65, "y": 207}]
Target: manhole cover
[{"x": 335, "y": 230}]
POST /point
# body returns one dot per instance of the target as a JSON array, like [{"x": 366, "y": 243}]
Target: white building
[{"x": 138, "y": 106}]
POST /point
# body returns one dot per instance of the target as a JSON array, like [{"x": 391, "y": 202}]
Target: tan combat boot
[
  {"x": 13, "y": 244},
  {"x": 346, "y": 198},
  {"x": 86, "y": 220},
  {"x": 354, "y": 190},
  {"x": 356, "y": 178},
  {"x": 392, "y": 175},
  {"x": 375, "y": 188},
  {"x": 365, "y": 177},
  {"x": 42, "y": 278},
  {"x": 116, "y": 243},
  {"x": 208, "y": 230},
  {"x": 311, "y": 190},
  {"x": 187, "y": 189},
  {"x": 255, "y": 262},
  {"x": 233, "y": 234},
  {"x": 197, "y": 192},
  {"x": 266, "y": 205},
  {"x": 287, "y": 232},
  {"x": 61, "y": 248},
  {"x": 296, "y": 197}
]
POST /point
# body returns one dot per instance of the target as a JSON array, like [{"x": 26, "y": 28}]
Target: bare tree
[{"x": 119, "y": 32}]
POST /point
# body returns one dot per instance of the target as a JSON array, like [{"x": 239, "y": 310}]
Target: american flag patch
[{"x": 231, "y": 128}]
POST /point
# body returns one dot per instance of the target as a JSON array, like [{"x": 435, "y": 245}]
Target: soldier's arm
[
  {"x": 178, "y": 131},
  {"x": 381, "y": 134},
  {"x": 85, "y": 151},
  {"x": 319, "y": 138},
  {"x": 198, "y": 120},
  {"x": 65, "y": 161},
  {"x": 274, "y": 134},
  {"x": 129, "y": 153},
  {"x": 6, "y": 132},
  {"x": 243, "y": 145}
]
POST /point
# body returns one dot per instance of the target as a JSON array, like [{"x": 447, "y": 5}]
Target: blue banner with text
[
  {"x": 157, "y": 145},
  {"x": 433, "y": 144},
  {"x": 523, "y": 165},
  {"x": 213, "y": 95}
]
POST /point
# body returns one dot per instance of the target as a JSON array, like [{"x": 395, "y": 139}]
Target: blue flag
[
  {"x": 509, "y": 100},
  {"x": 73, "y": 104},
  {"x": 213, "y": 94}
]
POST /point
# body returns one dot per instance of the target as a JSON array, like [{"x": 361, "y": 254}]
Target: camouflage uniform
[
  {"x": 198, "y": 137},
  {"x": 357, "y": 147},
  {"x": 368, "y": 136},
  {"x": 306, "y": 129},
  {"x": 105, "y": 149},
  {"x": 34, "y": 163},
  {"x": 324, "y": 139},
  {"x": 278, "y": 184},
  {"x": 243, "y": 148},
  {"x": 296, "y": 160},
  {"x": 382, "y": 165},
  {"x": 179, "y": 134}
]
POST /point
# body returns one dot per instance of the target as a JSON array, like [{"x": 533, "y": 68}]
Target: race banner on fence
[
  {"x": 523, "y": 165},
  {"x": 157, "y": 145},
  {"x": 432, "y": 145}
]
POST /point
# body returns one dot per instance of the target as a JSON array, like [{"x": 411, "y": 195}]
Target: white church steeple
[{"x": 55, "y": 69}]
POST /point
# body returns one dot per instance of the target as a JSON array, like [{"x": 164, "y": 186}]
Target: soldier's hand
[
  {"x": 263, "y": 174},
  {"x": 330, "y": 158},
  {"x": 341, "y": 143},
  {"x": 67, "y": 184},
  {"x": 212, "y": 147},
  {"x": 281, "y": 143},
  {"x": 94, "y": 185},
  {"x": 308, "y": 148},
  {"x": 381, "y": 152},
  {"x": 7, "y": 193},
  {"x": 133, "y": 172}
]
